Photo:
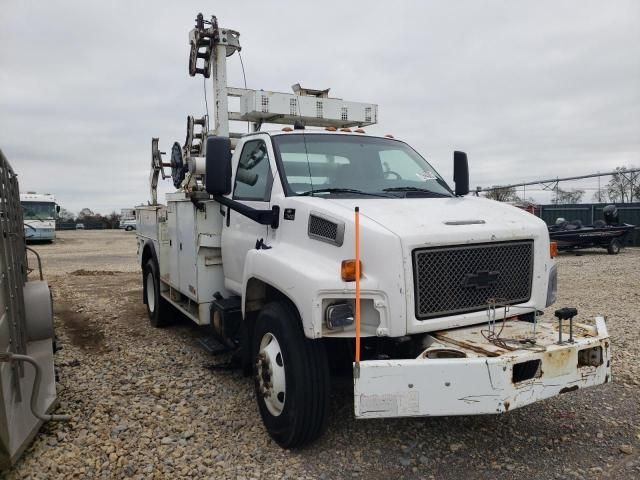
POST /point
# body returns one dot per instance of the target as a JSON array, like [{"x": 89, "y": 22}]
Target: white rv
[{"x": 40, "y": 212}]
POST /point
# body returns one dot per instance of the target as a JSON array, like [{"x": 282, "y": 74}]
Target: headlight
[
  {"x": 552, "y": 286},
  {"x": 338, "y": 315}
]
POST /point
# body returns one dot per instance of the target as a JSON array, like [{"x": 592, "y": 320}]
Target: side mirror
[
  {"x": 57, "y": 208},
  {"x": 218, "y": 166},
  {"x": 461, "y": 173}
]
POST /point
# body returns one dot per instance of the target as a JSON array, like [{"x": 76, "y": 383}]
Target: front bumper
[
  {"x": 39, "y": 234},
  {"x": 487, "y": 380}
]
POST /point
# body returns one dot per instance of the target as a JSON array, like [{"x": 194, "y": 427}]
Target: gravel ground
[{"x": 146, "y": 403}]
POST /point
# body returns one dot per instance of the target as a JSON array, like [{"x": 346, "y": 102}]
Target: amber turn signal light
[
  {"x": 553, "y": 249},
  {"x": 348, "y": 270}
]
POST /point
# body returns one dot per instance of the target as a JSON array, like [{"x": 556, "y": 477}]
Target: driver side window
[{"x": 253, "y": 177}]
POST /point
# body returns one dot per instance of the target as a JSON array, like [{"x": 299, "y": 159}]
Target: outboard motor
[{"x": 610, "y": 213}]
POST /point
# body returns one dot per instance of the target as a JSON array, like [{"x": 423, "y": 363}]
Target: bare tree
[
  {"x": 111, "y": 220},
  {"x": 502, "y": 194},
  {"x": 568, "y": 196},
  {"x": 85, "y": 212},
  {"x": 624, "y": 186},
  {"x": 65, "y": 215}
]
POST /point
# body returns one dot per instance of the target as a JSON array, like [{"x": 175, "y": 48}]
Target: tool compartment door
[
  {"x": 187, "y": 249},
  {"x": 172, "y": 233}
]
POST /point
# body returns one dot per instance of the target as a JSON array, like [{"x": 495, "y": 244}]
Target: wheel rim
[
  {"x": 151, "y": 292},
  {"x": 270, "y": 374}
]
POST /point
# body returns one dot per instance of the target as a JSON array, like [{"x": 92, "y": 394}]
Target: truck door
[{"x": 252, "y": 186}]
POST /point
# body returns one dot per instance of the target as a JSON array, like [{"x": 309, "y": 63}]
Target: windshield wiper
[
  {"x": 414, "y": 189},
  {"x": 342, "y": 190}
]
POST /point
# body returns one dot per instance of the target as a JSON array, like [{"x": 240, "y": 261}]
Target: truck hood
[{"x": 439, "y": 221}]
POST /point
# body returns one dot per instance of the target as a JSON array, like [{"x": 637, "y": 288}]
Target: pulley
[
  {"x": 178, "y": 167},
  {"x": 156, "y": 159},
  {"x": 191, "y": 148},
  {"x": 201, "y": 42},
  {"x": 203, "y": 39}
]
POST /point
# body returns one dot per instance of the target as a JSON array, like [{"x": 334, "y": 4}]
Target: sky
[{"x": 529, "y": 90}]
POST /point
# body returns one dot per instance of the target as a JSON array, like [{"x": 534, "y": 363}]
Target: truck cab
[
  {"x": 414, "y": 231},
  {"x": 320, "y": 249}
]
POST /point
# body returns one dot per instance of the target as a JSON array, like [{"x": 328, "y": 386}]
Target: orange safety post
[{"x": 357, "y": 235}]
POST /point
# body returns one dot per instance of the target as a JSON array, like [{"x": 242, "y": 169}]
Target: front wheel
[
  {"x": 291, "y": 377},
  {"x": 157, "y": 307},
  {"x": 614, "y": 247},
  {"x": 128, "y": 229}
]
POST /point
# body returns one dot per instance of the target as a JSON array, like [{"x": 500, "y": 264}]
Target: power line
[{"x": 556, "y": 180}]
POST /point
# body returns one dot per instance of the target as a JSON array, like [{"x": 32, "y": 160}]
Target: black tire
[
  {"x": 614, "y": 247},
  {"x": 128, "y": 229},
  {"x": 304, "y": 410},
  {"x": 158, "y": 308}
]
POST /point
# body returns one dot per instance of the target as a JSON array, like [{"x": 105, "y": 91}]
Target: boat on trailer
[{"x": 607, "y": 233}]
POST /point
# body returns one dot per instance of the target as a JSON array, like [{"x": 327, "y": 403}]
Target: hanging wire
[
  {"x": 244, "y": 77},
  {"x": 204, "y": 88},
  {"x": 306, "y": 150},
  {"x": 493, "y": 335}
]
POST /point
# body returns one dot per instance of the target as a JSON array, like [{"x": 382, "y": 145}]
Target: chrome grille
[{"x": 460, "y": 279}]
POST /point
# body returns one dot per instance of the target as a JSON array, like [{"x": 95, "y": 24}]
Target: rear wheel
[
  {"x": 158, "y": 308},
  {"x": 128, "y": 228},
  {"x": 291, "y": 376},
  {"x": 614, "y": 247}
]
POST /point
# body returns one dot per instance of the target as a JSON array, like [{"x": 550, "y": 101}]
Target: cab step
[{"x": 212, "y": 345}]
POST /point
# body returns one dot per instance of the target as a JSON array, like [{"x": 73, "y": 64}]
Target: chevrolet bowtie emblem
[{"x": 480, "y": 279}]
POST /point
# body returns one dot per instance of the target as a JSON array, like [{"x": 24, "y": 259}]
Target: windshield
[
  {"x": 38, "y": 210},
  {"x": 327, "y": 164}
]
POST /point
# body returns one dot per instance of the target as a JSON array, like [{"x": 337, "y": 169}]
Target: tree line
[
  {"x": 623, "y": 187},
  {"x": 88, "y": 217}
]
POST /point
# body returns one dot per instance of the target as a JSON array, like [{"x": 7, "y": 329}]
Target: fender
[
  {"x": 148, "y": 244},
  {"x": 298, "y": 274}
]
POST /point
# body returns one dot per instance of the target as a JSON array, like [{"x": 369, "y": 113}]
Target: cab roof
[{"x": 319, "y": 131}]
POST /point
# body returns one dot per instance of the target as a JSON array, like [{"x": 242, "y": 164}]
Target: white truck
[
  {"x": 127, "y": 224},
  {"x": 127, "y": 219},
  {"x": 432, "y": 298},
  {"x": 39, "y": 211}
]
